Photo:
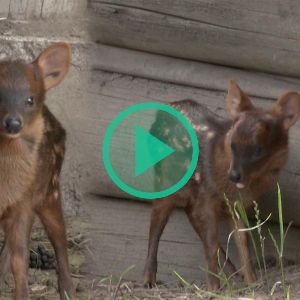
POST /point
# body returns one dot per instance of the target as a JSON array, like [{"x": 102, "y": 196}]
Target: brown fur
[
  {"x": 252, "y": 147},
  {"x": 30, "y": 164}
]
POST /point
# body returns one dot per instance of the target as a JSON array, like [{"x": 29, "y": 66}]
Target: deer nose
[
  {"x": 234, "y": 175},
  {"x": 13, "y": 125}
]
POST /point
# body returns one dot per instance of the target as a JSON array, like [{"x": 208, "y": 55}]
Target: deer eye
[{"x": 30, "y": 101}]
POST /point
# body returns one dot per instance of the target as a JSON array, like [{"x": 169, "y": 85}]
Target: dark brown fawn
[
  {"x": 32, "y": 146},
  {"x": 241, "y": 157}
]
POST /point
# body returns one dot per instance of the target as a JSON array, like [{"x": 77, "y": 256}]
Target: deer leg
[
  {"x": 51, "y": 216},
  {"x": 229, "y": 267},
  {"x": 161, "y": 211},
  {"x": 204, "y": 222},
  {"x": 241, "y": 241},
  {"x": 4, "y": 260},
  {"x": 17, "y": 226}
]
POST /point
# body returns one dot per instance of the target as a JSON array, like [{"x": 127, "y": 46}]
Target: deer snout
[
  {"x": 13, "y": 124},
  {"x": 234, "y": 175}
]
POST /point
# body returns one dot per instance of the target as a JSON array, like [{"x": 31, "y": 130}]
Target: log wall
[
  {"x": 113, "y": 88},
  {"x": 119, "y": 226},
  {"x": 257, "y": 35}
]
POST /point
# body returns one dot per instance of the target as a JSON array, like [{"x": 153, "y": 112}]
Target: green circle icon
[{"x": 150, "y": 150}]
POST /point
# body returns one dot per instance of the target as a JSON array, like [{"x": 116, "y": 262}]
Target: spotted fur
[
  {"x": 240, "y": 157},
  {"x": 31, "y": 158}
]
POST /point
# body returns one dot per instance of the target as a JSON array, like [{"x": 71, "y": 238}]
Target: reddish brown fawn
[
  {"x": 241, "y": 158},
  {"x": 32, "y": 146}
]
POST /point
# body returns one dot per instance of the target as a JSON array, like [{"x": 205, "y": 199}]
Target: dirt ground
[{"x": 43, "y": 283}]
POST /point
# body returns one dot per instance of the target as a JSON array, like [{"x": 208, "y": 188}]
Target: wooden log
[
  {"x": 145, "y": 27},
  {"x": 188, "y": 73},
  {"x": 271, "y": 17}
]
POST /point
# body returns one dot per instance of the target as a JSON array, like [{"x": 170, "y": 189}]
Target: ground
[{"x": 43, "y": 283}]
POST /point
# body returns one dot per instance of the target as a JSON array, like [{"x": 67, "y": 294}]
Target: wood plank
[
  {"x": 269, "y": 17},
  {"x": 146, "y": 30},
  {"x": 188, "y": 73}
]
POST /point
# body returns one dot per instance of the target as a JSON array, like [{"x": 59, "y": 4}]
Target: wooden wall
[
  {"x": 119, "y": 226},
  {"x": 258, "y": 35},
  {"x": 200, "y": 44},
  {"x": 157, "y": 78}
]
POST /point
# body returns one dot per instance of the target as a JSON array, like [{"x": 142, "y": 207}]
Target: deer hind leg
[
  {"x": 51, "y": 216},
  {"x": 161, "y": 211}
]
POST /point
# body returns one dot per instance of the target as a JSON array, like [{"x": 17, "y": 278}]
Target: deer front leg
[
  {"x": 17, "y": 226},
  {"x": 229, "y": 267},
  {"x": 241, "y": 241},
  {"x": 4, "y": 260}
]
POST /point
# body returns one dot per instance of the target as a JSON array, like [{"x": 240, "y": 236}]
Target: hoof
[
  {"x": 148, "y": 285},
  {"x": 250, "y": 278}
]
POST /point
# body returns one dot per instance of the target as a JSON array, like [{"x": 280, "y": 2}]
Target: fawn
[
  {"x": 242, "y": 156},
  {"x": 32, "y": 146}
]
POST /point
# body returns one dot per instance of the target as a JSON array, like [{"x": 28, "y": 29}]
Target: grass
[
  {"x": 280, "y": 247},
  {"x": 257, "y": 239},
  {"x": 113, "y": 283}
]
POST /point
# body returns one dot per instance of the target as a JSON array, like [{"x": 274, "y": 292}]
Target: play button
[{"x": 150, "y": 150}]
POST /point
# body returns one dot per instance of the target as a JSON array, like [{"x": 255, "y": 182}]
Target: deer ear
[
  {"x": 287, "y": 107},
  {"x": 54, "y": 63},
  {"x": 237, "y": 100}
]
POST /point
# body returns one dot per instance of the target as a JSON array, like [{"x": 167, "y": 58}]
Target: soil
[{"x": 43, "y": 283}]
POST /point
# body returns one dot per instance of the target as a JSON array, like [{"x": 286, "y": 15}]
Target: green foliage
[{"x": 228, "y": 289}]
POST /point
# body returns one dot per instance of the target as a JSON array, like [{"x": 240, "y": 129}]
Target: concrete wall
[{"x": 25, "y": 9}]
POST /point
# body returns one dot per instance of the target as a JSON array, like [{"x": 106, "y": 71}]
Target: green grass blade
[{"x": 280, "y": 217}]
